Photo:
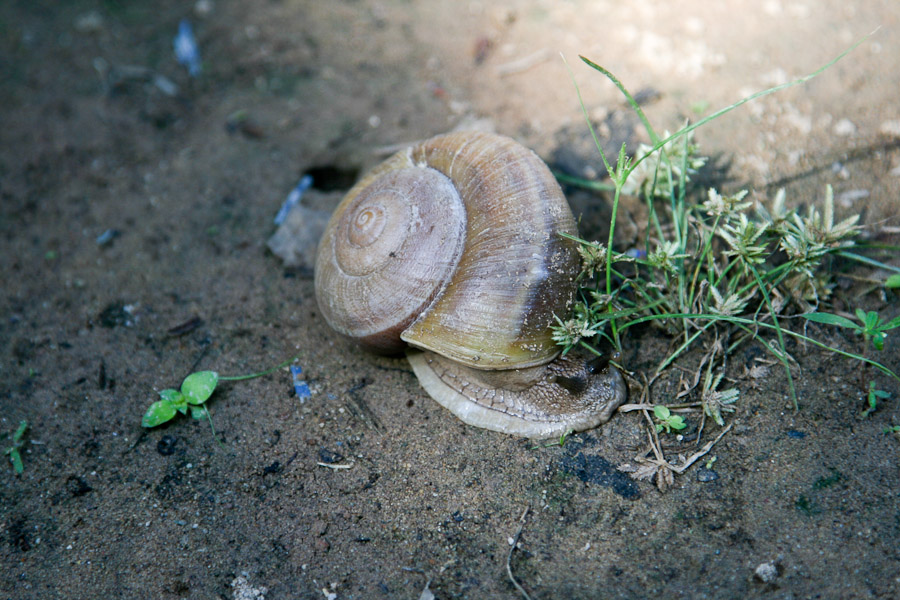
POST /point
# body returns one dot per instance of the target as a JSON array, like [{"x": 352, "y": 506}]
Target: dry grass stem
[{"x": 512, "y": 549}]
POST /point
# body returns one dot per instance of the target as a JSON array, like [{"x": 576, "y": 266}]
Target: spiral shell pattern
[{"x": 453, "y": 246}]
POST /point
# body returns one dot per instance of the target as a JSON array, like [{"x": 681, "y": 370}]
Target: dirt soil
[{"x": 135, "y": 207}]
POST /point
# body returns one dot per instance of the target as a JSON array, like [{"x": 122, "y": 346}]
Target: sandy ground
[{"x": 135, "y": 199}]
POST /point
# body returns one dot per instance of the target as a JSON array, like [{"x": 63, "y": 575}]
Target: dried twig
[
  {"x": 683, "y": 407},
  {"x": 335, "y": 467},
  {"x": 659, "y": 467},
  {"x": 702, "y": 452},
  {"x": 512, "y": 549}
]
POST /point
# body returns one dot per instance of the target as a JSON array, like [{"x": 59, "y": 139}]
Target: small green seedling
[
  {"x": 13, "y": 451},
  {"x": 667, "y": 420},
  {"x": 195, "y": 391},
  {"x": 871, "y": 327},
  {"x": 873, "y": 397},
  {"x": 560, "y": 442},
  {"x": 562, "y": 439},
  {"x": 892, "y": 429}
]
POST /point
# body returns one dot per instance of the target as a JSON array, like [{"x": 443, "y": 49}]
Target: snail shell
[{"x": 454, "y": 247}]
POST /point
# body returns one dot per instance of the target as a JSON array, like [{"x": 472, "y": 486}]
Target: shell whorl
[
  {"x": 383, "y": 259},
  {"x": 480, "y": 282}
]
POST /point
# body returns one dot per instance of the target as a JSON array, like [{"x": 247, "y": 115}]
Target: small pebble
[
  {"x": 89, "y": 22},
  {"x": 319, "y": 527},
  {"x": 847, "y": 198},
  {"x": 767, "y": 572},
  {"x": 705, "y": 475},
  {"x": 203, "y": 8},
  {"x": 328, "y": 457},
  {"x": 107, "y": 237},
  {"x": 844, "y": 127},
  {"x": 891, "y": 128}
]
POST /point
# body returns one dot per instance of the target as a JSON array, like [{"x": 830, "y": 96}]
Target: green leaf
[
  {"x": 676, "y": 422},
  {"x": 199, "y": 412},
  {"x": 893, "y": 281},
  {"x": 830, "y": 319},
  {"x": 878, "y": 341},
  {"x": 23, "y": 425},
  {"x": 173, "y": 396},
  {"x": 661, "y": 412},
  {"x": 892, "y": 324},
  {"x": 176, "y": 398},
  {"x": 198, "y": 387},
  {"x": 158, "y": 413},
  {"x": 861, "y": 315},
  {"x": 16, "y": 461},
  {"x": 872, "y": 320}
]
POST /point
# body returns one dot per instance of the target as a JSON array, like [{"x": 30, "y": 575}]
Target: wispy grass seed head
[
  {"x": 665, "y": 255},
  {"x": 583, "y": 324},
  {"x": 666, "y": 161},
  {"x": 718, "y": 205},
  {"x": 743, "y": 237},
  {"x": 716, "y": 402},
  {"x": 593, "y": 257}
]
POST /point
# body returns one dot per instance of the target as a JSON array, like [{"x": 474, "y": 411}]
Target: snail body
[{"x": 454, "y": 247}]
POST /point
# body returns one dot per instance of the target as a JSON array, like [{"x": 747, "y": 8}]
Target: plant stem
[{"x": 260, "y": 374}]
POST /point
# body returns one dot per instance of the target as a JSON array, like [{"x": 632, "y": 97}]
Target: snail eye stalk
[{"x": 598, "y": 365}]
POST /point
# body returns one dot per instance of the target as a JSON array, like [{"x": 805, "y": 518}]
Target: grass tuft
[{"x": 718, "y": 267}]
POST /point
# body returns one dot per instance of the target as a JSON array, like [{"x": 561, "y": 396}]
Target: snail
[{"x": 453, "y": 251}]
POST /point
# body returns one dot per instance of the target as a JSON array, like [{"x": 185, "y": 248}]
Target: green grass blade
[
  {"x": 657, "y": 143},
  {"x": 684, "y": 346},
  {"x": 778, "y": 333},
  {"x": 754, "y": 323},
  {"x": 866, "y": 260},
  {"x": 16, "y": 459},
  {"x": 586, "y": 184},
  {"x": 260, "y": 374},
  {"x": 830, "y": 319},
  {"x": 654, "y": 138},
  {"x": 587, "y": 118}
]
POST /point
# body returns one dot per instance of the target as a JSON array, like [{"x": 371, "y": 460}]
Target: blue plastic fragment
[
  {"x": 186, "y": 48},
  {"x": 300, "y": 387},
  {"x": 107, "y": 236},
  {"x": 636, "y": 253},
  {"x": 293, "y": 198}
]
